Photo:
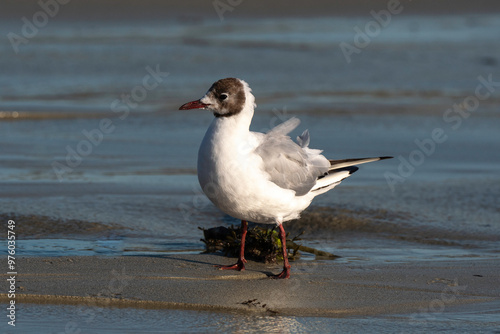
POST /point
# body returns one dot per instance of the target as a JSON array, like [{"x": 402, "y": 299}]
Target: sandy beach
[{"x": 322, "y": 288}]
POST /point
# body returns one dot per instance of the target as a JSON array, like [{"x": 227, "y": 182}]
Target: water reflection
[{"x": 59, "y": 318}]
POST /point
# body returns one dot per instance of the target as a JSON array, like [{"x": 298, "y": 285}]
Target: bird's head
[{"x": 225, "y": 98}]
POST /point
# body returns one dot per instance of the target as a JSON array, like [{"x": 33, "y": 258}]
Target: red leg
[
  {"x": 240, "y": 265},
  {"x": 286, "y": 266}
]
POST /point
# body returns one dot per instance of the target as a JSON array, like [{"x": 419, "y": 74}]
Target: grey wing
[{"x": 289, "y": 165}]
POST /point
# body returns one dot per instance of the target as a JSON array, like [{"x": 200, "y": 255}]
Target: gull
[{"x": 263, "y": 178}]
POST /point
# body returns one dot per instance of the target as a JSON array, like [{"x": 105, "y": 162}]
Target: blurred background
[{"x": 96, "y": 158}]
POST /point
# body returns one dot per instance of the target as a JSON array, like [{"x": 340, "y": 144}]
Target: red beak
[{"x": 193, "y": 105}]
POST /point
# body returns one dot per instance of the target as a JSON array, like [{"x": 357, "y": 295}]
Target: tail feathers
[
  {"x": 336, "y": 164},
  {"x": 334, "y": 177},
  {"x": 339, "y": 170}
]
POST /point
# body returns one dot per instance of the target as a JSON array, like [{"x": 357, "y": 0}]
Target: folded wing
[{"x": 291, "y": 165}]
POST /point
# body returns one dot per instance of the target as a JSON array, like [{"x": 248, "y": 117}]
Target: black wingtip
[
  {"x": 350, "y": 169},
  {"x": 387, "y": 157}
]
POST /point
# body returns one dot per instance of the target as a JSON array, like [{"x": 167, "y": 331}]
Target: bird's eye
[{"x": 223, "y": 96}]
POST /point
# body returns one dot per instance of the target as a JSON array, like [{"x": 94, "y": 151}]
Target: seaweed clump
[{"x": 261, "y": 244}]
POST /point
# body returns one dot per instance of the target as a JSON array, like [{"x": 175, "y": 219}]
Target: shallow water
[
  {"x": 84, "y": 66},
  {"x": 66, "y": 318},
  {"x": 139, "y": 186}
]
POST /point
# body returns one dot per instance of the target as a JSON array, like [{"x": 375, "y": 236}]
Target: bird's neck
[
  {"x": 238, "y": 123},
  {"x": 231, "y": 128}
]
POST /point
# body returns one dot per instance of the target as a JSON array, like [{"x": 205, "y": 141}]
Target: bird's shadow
[{"x": 214, "y": 265}]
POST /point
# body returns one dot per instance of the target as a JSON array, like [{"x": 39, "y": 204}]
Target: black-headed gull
[{"x": 260, "y": 177}]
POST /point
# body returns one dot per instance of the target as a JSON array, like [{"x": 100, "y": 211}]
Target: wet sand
[{"x": 317, "y": 288}]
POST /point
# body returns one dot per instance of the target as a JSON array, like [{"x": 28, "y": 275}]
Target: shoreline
[{"x": 316, "y": 288}]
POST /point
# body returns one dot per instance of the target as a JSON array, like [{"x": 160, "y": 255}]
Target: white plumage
[{"x": 264, "y": 178}]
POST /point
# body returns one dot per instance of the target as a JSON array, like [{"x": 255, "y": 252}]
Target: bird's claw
[
  {"x": 240, "y": 266},
  {"x": 283, "y": 275}
]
